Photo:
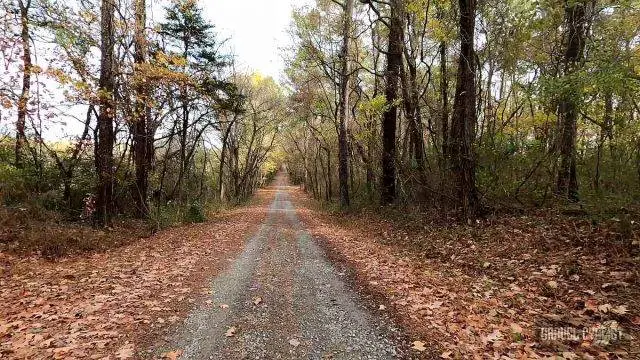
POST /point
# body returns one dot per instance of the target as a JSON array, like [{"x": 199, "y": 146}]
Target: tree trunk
[
  {"x": 105, "y": 138},
  {"x": 21, "y": 137},
  {"x": 141, "y": 135},
  {"x": 444, "y": 98},
  {"x": 392, "y": 74},
  {"x": 576, "y": 23},
  {"x": 183, "y": 148},
  {"x": 605, "y": 131},
  {"x": 463, "y": 121},
  {"x": 412, "y": 112},
  {"x": 343, "y": 146}
]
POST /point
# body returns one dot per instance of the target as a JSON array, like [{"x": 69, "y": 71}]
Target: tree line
[
  {"x": 106, "y": 113},
  {"x": 466, "y": 105}
]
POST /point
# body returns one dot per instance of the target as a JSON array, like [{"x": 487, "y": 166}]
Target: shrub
[{"x": 195, "y": 214}]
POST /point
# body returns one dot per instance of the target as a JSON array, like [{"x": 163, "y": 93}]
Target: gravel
[{"x": 284, "y": 300}]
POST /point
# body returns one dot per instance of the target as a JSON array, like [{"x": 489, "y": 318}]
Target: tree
[
  {"x": 192, "y": 38},
  {"x": 463, "y": 121},
  {"x": 105, "y": 132},
  {"x": 343, "y": 146},
  {"x": 576, "y": 21},
  {"x": 389, "y": 119},
  {"x": 142, "y": 137},
  {"x": 27, "y": 66}
]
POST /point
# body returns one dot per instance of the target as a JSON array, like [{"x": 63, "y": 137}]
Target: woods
[
  {"x": 320, "y": 179},
  {"x": 467, "y": 107},
  {"x": 121, "y": 117},
  {"x": 459, "y": 106},
  {"x": 470, "y": 106}
]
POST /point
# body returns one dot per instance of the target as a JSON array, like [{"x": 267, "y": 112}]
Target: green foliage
[
  {"x": 195, "y": 214},
  {"x": 13, "y": 187}
]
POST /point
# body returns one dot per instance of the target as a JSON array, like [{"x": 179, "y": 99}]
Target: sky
[
  {"x": 256, "y": 30},
  {"x": 256, "y": 33}
]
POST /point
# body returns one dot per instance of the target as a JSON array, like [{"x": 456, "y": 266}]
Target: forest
[
  {"x": 433, "y": 126},
  {"x": 106, "y": 115},
  {"x": 469, "y": 107},
  {"x": 476, "y": 106}
]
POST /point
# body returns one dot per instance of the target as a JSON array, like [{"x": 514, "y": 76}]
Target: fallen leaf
[
  {"x": 172, "y": 355},
  {"x": 294, "y": 342},
  {"x": 126, "y": 351},
  {"x": 591, "y": 305},
  {"x": 516, "y": 329},
  {"x": 419, "y": 346},
  {"x": 230, "y": 331},
  {"x": 435, "y": 305},
  {"x": 569, "y": 355},
  {"x": 620, "y": 310},
  {"x": 604, "y": 308},
  {"x": 495, "y": 335},
  {"x": 446, "y": 354}
]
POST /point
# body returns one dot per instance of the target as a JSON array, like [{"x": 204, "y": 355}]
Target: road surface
[{"x": 282, "y": 299}]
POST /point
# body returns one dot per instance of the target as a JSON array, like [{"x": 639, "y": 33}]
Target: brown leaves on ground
[
  {"x": 112, "y": 303},
  {"x": 486, "y": 290},
  {"x": 231, "y": 331}
]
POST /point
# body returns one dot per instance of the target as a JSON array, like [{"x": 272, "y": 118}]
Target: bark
[
  {"x": 392, "y": 74},
  {"x": 343, "y": 146},
  {"x": 223, "y": 154},
  {"x": 141, "y": 133},
  {"x": 444, "y": 97},
  {"x": 605, "y": 131},
  {"x": 21, "y": 137},
  {"x": 105, "y": 133},
  {"x": 576, "y": 23},
  {"x": 183, "y": 147},
  {"x": 412, "y": 112},
  {"x": 464, "y": 117}
]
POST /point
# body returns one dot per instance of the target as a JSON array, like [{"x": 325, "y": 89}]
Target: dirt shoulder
[
  {"x": 506, "y": 286},
  {"x": 118, "y": 301}
]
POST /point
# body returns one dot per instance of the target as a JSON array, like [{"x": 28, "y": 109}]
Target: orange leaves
[
  {"x": 480, "y": 289},
  {"x": 89, "y": 305}
]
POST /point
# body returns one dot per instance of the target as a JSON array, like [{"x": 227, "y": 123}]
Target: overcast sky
[{"x": 256, "y": 30}]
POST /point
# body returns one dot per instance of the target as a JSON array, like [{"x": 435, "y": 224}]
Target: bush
[
  {"x": 12, "y": 185},
  {"x": 195, "y": 214}
]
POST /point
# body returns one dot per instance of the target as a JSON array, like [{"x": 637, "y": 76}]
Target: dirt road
[{"x": 281, "y": 298}]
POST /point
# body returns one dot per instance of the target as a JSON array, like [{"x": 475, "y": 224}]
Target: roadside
[
  {"x": 494, "y": 289},
  {"x": 120, "y": 300}
]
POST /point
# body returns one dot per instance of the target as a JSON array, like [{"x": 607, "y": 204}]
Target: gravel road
[{"x": 282, "y": 299}]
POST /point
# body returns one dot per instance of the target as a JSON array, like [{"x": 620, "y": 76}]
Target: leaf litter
[
  {"x": 486, "y": 290},
  {"x": 114, "y": 303}
]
